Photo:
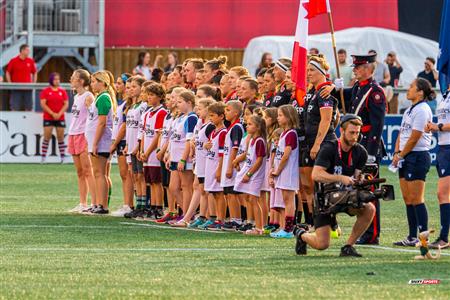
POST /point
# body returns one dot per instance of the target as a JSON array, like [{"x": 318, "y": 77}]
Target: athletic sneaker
[
  {"x": 121, "y": 211},
  {"x": 181, "y": 223},
  {"x": 282, "y": 234},
  {"x": 88, "y": 210},
  {"x": 158, "y": 213},
  {"x": 149, "y": 215},
  {"x": 100, "y": 210},
  {"x": 141, "y": 214},
  {"x": 254, "y": 231},
  {"x": 408, "y": 242},
  {"x": 216, "y": 226},
  {"x": 439, "y": 243},
  {"x": 230, "y": 226},
  {"x": 166, "y": 218},
  {"x": 198, "y": 222},
  {"x": 300, "y": 245},
  {"x": 79, "y": 208},
  {"x": 177, "y": 219},
  {"x": 206, "y": 224},
  {"x": 349, "y": 250},
  {"x": 134, "y": 213},
  {"x": 245, "y": 227},
  {"x": 270, "y": 228}
]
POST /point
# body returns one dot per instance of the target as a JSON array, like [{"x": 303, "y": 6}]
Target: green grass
[{"x": 47, "y": 253}]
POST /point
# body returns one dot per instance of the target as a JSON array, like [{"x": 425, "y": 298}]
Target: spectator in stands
[
  {"x": 395, "y": 69},
  {"x": 1, "y": 74},
  {"x": 21, "y": 68},
  {"x": 266, "y": 62},
  {"x": 157, "y": 73},
  {"x": 314, "y": 51},
  {"x": 143, "y": 67},
  {"x": 381, "y": 73},
  {"x": 345, "y": 70},
  {"x": 54, "y": 103},
  {"x": 172, "y": 62},
  {"x": 430, "y": 73}
]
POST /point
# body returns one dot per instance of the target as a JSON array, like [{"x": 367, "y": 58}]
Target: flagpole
[{"x": 333, "y": 42}]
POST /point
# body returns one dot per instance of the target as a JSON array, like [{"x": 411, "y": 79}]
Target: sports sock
[
  {"x": 147, "y": 196},
  {"x": 422, "y": 217},
  {"x": 299, "y": 217},
  {"x": 140, "y": 202},
  {"x": 243, "y": 213},
  {"x": 289, "y": 227},
  {"x": 109, "y": 194},
  {"x": 445, "y": 221},
  {"x": 44, "y": 148},
  {"x": 412, "y": 221},
  {"x": 62, "y": 149}
]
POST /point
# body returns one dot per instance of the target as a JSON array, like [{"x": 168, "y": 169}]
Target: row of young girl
[{"x": 193, "y": 158}]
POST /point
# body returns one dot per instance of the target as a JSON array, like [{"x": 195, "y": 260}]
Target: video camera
[{"x": 333, "y": 198}]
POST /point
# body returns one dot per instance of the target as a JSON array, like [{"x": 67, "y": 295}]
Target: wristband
[
  {"x": 157, "y": 150},
  {"x": 249, "y": 174},
  {"x": 183, "y": 161},
  {"x": 440, "y": 127}
]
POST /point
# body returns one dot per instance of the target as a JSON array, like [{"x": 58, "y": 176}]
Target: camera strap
[{"x": 349, "y": 162}]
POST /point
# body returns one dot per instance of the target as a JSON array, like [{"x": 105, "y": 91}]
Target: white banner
[{"x": 21, "y": 137}]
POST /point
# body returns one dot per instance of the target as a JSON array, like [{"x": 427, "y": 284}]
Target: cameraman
[{"x": 340, "y": 161}]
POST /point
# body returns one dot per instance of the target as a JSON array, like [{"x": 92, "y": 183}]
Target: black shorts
[
  {"x": 165, "y": 175},
  {"x": 120, "y": 147},
  {"x": 152, "y": 175},
  {"x": 443, "y": 161},
  {"x": 415, "y": 166},
  {"x": 321, "y": 220},
  {"x": 201, "y": 180},
  {"x": 54, "y": 123},
  {"x": 304, "y": 160},
  {"x": 229, "y": 190},
  {"x": 103, "y": 154},
  {"x": 136, "y": 165}
]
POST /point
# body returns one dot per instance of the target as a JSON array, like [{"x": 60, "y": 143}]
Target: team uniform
[
  {"x": 288, "y": 179},
  {"x": 182, "y": 131},
  {"x": 417, "y": 162},
  {"x": 268, "y": 98},
  {"x": 231, "y": 96},
  {"x": 132, "y": 132},
  {"x": 55, "y": 101},
  {"x": 77, "y": 143},
  {"x": 101, "y": 106},
  {"x": 233, "y": 139},
  {"x": 153, "y": 123},
  {"x": 282, "y": 96},
  {"x": 119, "y": 119},
  {"x": 165, "y": 138},
  {"x": 217, "y": 139},
  {"x": 443, "y": 155},
  {"x": 256, "y": 149},
  {"x": 202, "y": 133},
  {"x": 301, "y": 109}
]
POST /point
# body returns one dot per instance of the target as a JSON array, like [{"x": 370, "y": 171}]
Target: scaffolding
[{"x": 72, "y": 29}]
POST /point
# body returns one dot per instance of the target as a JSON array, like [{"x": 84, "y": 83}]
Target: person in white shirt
[{"x": 412, "y": 150}]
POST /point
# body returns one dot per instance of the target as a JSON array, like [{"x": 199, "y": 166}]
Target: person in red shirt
[
  {"x": 21, "y": 68},
  {"x": 54, "y": 103}
]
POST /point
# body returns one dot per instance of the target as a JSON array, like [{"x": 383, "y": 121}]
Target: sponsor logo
[{"x": 424, "y": 281}]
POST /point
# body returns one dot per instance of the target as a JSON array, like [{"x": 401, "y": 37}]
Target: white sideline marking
[
  {"x": 59, "y": 226},
  {"x": 400, "y": 250},
  {"x": 170, "y": 227},
  {"x": 141, "y": 249}
]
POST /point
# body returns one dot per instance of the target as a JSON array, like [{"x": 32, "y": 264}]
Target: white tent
[{"x": 411, "y": 50}]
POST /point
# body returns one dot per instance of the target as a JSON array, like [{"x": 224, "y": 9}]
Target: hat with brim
[{"x": 359, "y": 60}]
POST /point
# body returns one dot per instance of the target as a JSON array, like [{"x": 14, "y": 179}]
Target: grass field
[{"x": 47, "y": 253}]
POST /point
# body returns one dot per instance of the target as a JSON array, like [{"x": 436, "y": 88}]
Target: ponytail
[{"x": 424, "y": 85}]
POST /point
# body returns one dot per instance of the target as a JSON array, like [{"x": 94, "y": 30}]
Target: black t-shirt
[
  {"x": 313, "y": 117},
  {"x": 282, "y": 97},
  {"x": 395, "y": 72},
  {"x": 428, "y": 76},
  {"x": 338, "y": 162}
]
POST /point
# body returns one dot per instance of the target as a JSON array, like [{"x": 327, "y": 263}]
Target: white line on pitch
[
  {"x": 59, "y": 226},
  {"x": 142, "y": 249},
  {"x": 398, "y": 250},
  {"x": 170, "y": 227}
]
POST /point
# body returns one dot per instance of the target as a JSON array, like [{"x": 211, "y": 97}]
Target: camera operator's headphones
[{"x": 349, "y": 117}]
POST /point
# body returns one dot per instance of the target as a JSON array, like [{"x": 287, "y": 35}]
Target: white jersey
[
  {"x": 288, "y": 179},
  {"x": 104, "y": 144},
  {"x": 153, "y": 123},
  {"x": 416, "y": 118},
  {"x": 443, "y": 115},
  {"x": 201, "y": 137},
  {"x": 166, "y": 130},
  {"x": 253, "y": 187},
  {"x": 118, "y": 120},
  {"x": 182, "y": 131},
  {"x": 229, "y": 144},
  {"x": 133, "y": 118},
  {"x": 266, "y": 187},
  {"x": 79, "y": 113},
  {"x": 217, "y": 139}
]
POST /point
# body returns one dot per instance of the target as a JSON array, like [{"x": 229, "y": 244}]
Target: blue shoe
[
  {"x": 282, "y": 234},
  {"x": 206, "y": 224},
  {"x": 198, "y": 222}
]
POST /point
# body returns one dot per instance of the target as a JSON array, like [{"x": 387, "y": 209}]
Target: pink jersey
[
  {"x": 79, "y": 113},
  {"x": 133, "y": 118},
  {"x": 266, "y": 186},
  {"x": 201, "y": 136},
  {"x": 119, "y": 120},
  {"x": 183, "y": 131},
  {"x": 153, "y": 123},
  {"x": 276, "y": 198},
  {"x": 213, "y": 155},
  {"x": 256, "y": 148},
  {"x": 231, "y": 141},
  {"x": 104, "y": 143},
  {"x": 288, "y": 179}
]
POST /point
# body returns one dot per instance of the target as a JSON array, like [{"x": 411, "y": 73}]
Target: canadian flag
[{"x": 307, "y": 10}]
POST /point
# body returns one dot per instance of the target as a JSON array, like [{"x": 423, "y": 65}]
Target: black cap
[
  {"x": 363, "y": 59},
  {"x": 348, "y": 117}
]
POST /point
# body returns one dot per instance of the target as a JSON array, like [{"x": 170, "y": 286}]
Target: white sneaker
[
  {"x": 121, "y": 211},
  {"x": 78, "y": 209}
]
